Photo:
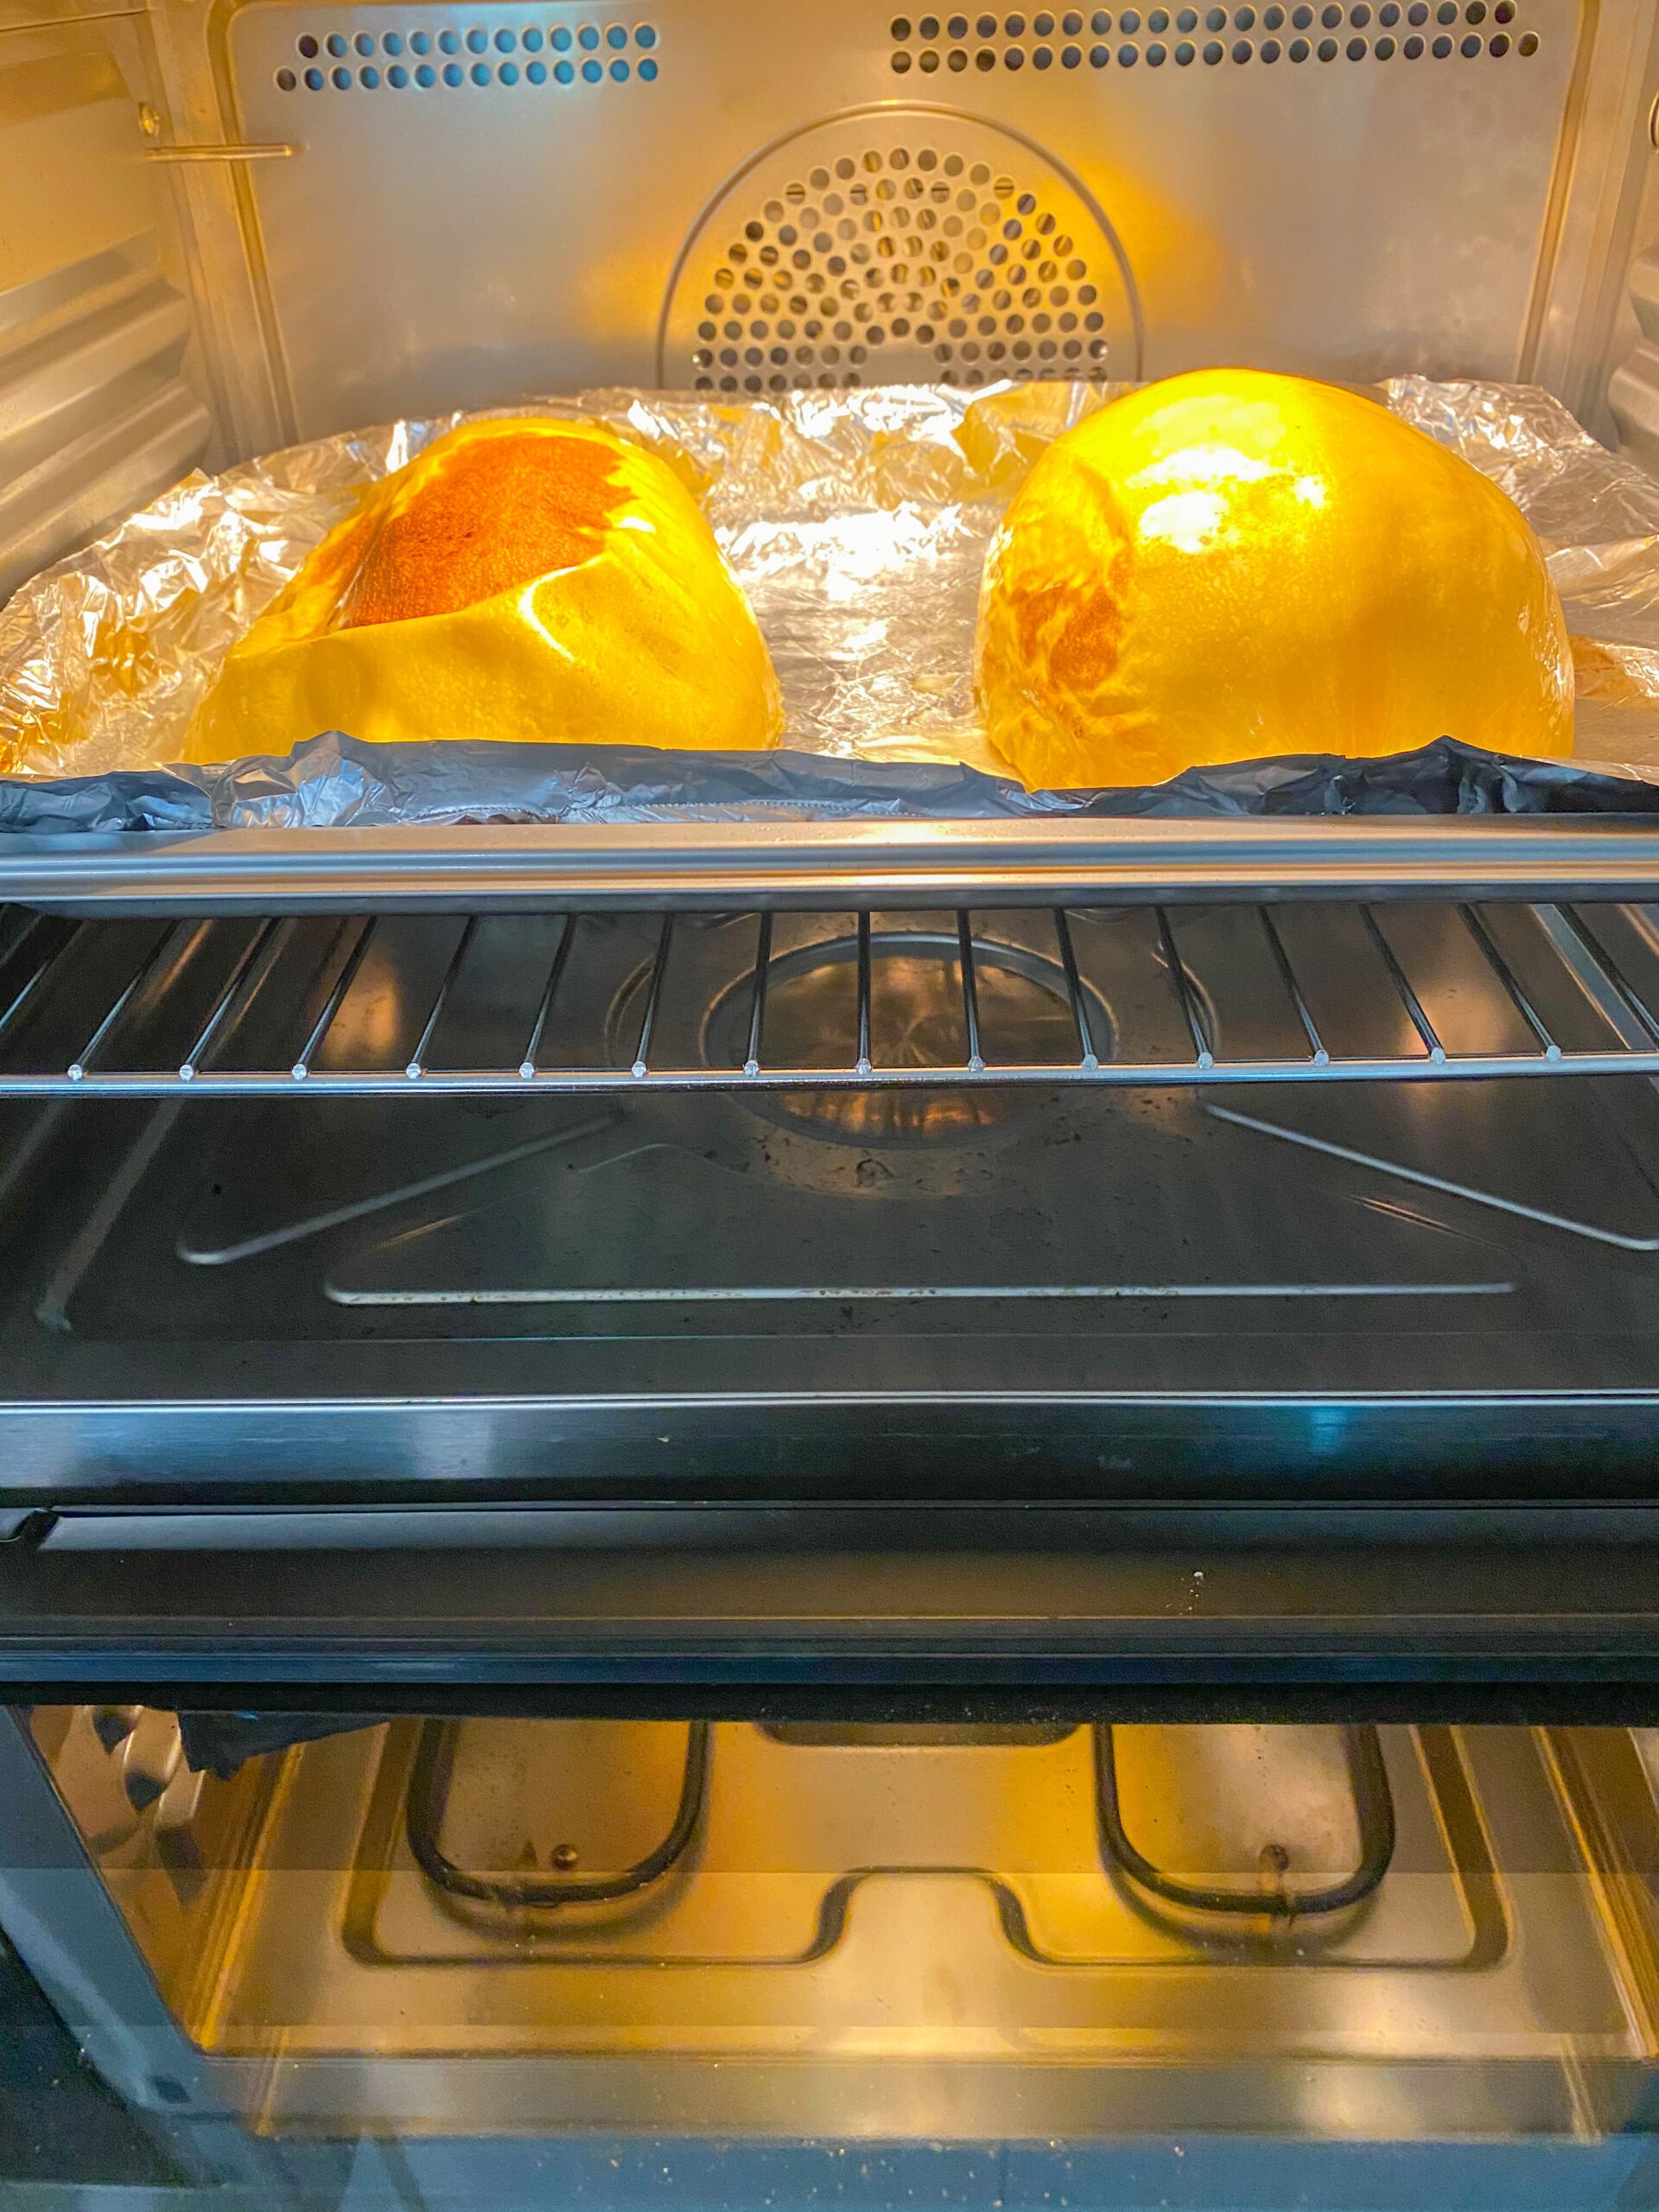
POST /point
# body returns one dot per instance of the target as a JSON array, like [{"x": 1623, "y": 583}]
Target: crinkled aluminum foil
[
  {"x": 856, "y": 521},
  {"x": 1597, "y": 516}
]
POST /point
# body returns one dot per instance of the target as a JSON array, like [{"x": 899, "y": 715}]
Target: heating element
[{"x": 510, "y": 1925}]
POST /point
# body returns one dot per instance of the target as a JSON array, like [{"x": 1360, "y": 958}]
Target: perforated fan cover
[{"x": 889, "y": 247}]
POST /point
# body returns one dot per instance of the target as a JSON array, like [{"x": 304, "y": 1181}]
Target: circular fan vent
[{"x": 898, "y": 246}]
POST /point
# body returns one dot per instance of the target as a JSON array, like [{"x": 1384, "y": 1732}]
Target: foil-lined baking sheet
[
  {"x": 856, "y": 521},
  {"x": 335, "y": 782}
]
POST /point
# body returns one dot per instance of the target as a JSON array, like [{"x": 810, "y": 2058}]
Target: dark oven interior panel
[{"x": 1024, "y": 1206}]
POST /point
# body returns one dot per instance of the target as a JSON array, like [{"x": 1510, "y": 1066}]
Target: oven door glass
[{"x": 483, "y": 1958}]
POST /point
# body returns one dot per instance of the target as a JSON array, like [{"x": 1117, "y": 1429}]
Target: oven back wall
[{"x": 481, "y": 203}]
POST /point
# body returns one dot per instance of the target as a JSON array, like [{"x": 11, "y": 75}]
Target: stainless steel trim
[
  {"x": 220, "y": 153},
  {"x": 715, "y": 867},
  {"x": 474, "y": 1082},
  {"x": 921, "y": 1613}
]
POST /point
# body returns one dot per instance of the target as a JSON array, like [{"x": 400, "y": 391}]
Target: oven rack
[{"x": 296, "y": 1004}]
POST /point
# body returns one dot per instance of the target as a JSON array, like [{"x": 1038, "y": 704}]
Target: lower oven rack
[{"x": 155, "y": 1008}]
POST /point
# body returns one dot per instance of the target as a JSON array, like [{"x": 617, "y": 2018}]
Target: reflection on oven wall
[
  {"x": 483, "y": 202},
  {"x": 953, "y": 1930},
  {"x": 237, "y": 226}
]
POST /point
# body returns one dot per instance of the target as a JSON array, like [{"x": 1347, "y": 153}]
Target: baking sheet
[
  {"x": 857, "y": 521},
  {"x": 334, "y": 782}
]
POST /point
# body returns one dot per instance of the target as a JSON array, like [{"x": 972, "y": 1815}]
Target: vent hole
[
  {"x": 478, "y": 41},
  {"x": 908, "y": 318}
]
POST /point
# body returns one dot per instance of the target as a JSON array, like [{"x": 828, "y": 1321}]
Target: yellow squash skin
[
  {"x": 431, "y": 613},
  {"x": 1230, "y": 564}
]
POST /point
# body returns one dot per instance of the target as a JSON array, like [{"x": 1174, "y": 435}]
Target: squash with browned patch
[
  {"x": 524, "y": 579},
  {"x": 1232, "y": 564}
]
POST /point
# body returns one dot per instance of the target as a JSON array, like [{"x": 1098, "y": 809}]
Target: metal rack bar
[
  {"x": 1080, "y": 1022},
  {"x": 30, "y": 925},
  {"x": 1402, "y": 981},
  {"x": 417, "y": 1067},
  {"x": 555, "y": 970},
  {"x": 347, "y": 976},
  {"x": 136, "y": 983},
  {"x": 1511, "y": 983},
  {"x": 1609, "y": 967},
  {"x": 864, "y": 1063},
  {"x": 815, "y": 867},
  {"x": 969, "y": 990},
  {"x": 653, "y": 997},
  {"x": 48, "y": 960},
  {"x": 1287, "y": 975},
  {"x": 262, "y": 947},
  {"x": 757, "y": 1003},
  {"x": 582, "y": 973},
  {"x": 483, "y": 1081},
  {"x": 1182, "y": 981}
]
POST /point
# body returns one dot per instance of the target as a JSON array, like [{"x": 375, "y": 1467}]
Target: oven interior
[
  {"x": 488, "y": 1925},
  {"x": 239, "y": 224},
  {"x": 1150, "y": 1201},
  {"x": 1335, "y": 1212}
]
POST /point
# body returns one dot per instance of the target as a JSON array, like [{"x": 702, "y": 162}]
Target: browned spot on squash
[
  {"x": 492, "y": 517},
  {"x": 336, "y": 562},
  {"x": 1069, "y": 608}
]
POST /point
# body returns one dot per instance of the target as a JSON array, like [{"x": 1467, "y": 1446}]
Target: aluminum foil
[
  {"x": 335, "y": 782},
  {"x": 857, "y": 521},
  {"x": 1597, "y": 516}
]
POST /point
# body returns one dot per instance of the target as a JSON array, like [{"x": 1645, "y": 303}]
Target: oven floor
[
  {"x": 699, "y": 1218},
  {"x": 1479, "y": 1210},
  {"x": 925, "y": 1927}
]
